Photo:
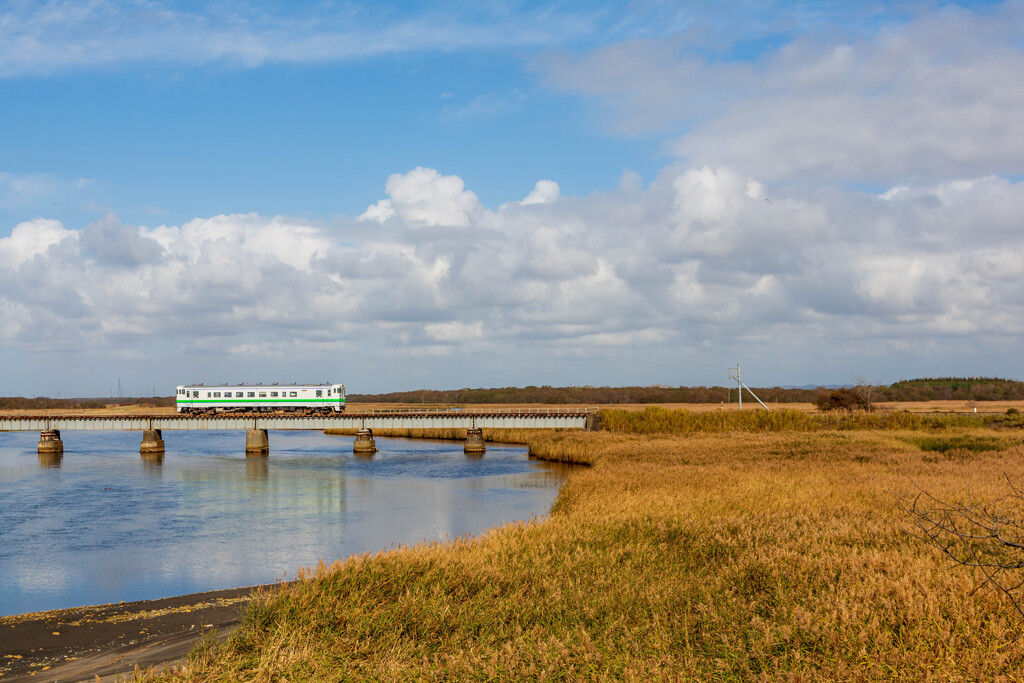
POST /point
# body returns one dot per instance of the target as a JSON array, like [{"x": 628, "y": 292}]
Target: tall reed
[
  {"x": 718, "y": 555},
  {"x": 657, "y": 420}
]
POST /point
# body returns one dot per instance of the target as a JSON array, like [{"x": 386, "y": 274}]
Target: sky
[{"x": 413, "y": 195}]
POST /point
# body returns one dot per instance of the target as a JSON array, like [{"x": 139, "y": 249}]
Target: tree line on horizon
[
  {"x": 42, "y": 402},
  {"x": 923, "y": 389}
]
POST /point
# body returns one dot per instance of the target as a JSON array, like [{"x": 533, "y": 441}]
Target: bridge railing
[{"x": 546, "y": 410}]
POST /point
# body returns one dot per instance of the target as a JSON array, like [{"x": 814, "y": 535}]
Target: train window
[
  {"x": 319, "y": 393},
  {"x": 263, "y": 394},
  {"x": 216, "y": 394},
  {"x": 273, "y": 394},
  {"x": 252, "y": 394},
  {"x": 292, "y": 393},
  {"x": 238, "y": 394},
  {"x": 195, "y": 394}
]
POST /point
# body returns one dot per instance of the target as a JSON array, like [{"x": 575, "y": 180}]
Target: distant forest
[
  {"x": 925, "y": 389},
  {"x": 21, "y": 403}
]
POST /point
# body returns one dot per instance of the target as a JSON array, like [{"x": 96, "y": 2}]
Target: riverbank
[
  {"x": 727, "y": 555},
  {"x": 83, "y": 642}
]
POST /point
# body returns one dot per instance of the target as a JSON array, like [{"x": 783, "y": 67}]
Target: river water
[{"x": 102, "y": 524}]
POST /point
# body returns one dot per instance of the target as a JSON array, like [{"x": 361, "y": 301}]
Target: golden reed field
[{"x": 686, "y": 547}]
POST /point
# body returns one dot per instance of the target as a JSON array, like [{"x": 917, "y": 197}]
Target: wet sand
[{"x": 80, "y": 643}]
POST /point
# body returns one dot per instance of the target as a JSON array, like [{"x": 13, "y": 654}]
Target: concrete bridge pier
[
  {"x": 474, "y": 441},
  {"x": 257, "y": 442},
  {"x": 364, "y": 442},
  {"x": 152, "y": 442},
  {"x": 49, "y": 442}
]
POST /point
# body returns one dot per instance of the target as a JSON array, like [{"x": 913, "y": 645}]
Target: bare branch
[{"x": 986, "y": 536}]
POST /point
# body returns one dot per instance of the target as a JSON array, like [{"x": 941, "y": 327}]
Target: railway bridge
[{"x": 256, "y": 426}]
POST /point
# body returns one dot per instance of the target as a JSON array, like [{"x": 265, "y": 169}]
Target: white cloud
[
  {"x": 703, "y": 258},
  {"x": 936, "y": 97},
  {"x": 63, "y": 35},
  {"x": 26, "y": 189},
  {"x": 424, "y": 197},
  {"x": 30, "y": 239},
  {"x": 544, "y": 192}
]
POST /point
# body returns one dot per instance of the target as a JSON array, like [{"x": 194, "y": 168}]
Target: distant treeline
[
  {"x": 955, "y": 388},
  {"x": 569, "y": 395},
  {"x": 925, "y": 389},
  {"x": 928, "y": 389},
  {"x": 22, "y": 403}
]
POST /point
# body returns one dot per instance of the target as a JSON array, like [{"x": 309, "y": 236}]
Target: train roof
[{"x": 261, "y": 384}]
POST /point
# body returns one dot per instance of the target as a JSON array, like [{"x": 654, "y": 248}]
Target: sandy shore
[{"x": 80, "y": 643}]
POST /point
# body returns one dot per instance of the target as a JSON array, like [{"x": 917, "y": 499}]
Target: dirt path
[{"x": 81, "y": 643}]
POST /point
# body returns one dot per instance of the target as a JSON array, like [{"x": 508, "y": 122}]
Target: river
[{"x": 102, "y": 524}]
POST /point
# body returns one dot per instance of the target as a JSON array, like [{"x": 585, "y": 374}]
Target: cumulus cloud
[
  {"x": 425, "y": 197},
  {"x": 700, "y": 255},
  {"x": 31, "y": 239},
  {"x": 110, "y": 243},
  {"x": 544, "y": 192}
]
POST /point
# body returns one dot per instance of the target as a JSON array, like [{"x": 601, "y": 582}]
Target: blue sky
[{"x": 570, "y": 193}]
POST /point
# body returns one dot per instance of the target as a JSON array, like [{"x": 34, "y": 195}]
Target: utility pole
[{"x": 734, "y": 373}]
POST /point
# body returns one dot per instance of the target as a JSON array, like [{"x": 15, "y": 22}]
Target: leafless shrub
[{"x": 986, "y": 536}]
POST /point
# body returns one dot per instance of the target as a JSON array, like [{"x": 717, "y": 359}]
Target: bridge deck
[{"x": 388, "y": 419}]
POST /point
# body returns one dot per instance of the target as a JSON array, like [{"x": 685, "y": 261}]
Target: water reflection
[
  {"x": 152, "y": 462},
  {"x": 202, "y": 516},
  {"x": 50, "y": 460},
  {"x": 256, "y": 468}
]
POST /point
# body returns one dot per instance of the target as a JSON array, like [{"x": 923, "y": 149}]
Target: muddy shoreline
[{"x": 80, "y": 643}]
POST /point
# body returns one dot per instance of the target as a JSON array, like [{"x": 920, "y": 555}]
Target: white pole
[{"x": 739, "y": 388}]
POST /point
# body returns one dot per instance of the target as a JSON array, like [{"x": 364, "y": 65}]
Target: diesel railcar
[{"x": 302, "y": 399}]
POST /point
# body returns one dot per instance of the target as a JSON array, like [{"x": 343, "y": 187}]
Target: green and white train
[{"x": 302, "y": 399}]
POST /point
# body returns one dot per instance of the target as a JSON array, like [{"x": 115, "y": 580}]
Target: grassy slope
[{"x": 728, "y": 555}]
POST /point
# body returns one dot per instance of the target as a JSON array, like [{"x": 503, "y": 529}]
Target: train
[{"x": 291, "y": 399}]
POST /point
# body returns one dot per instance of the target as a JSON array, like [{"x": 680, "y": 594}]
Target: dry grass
[
  {"x": 656, "y": 420},
  {"x": 708, "y": 556}
]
